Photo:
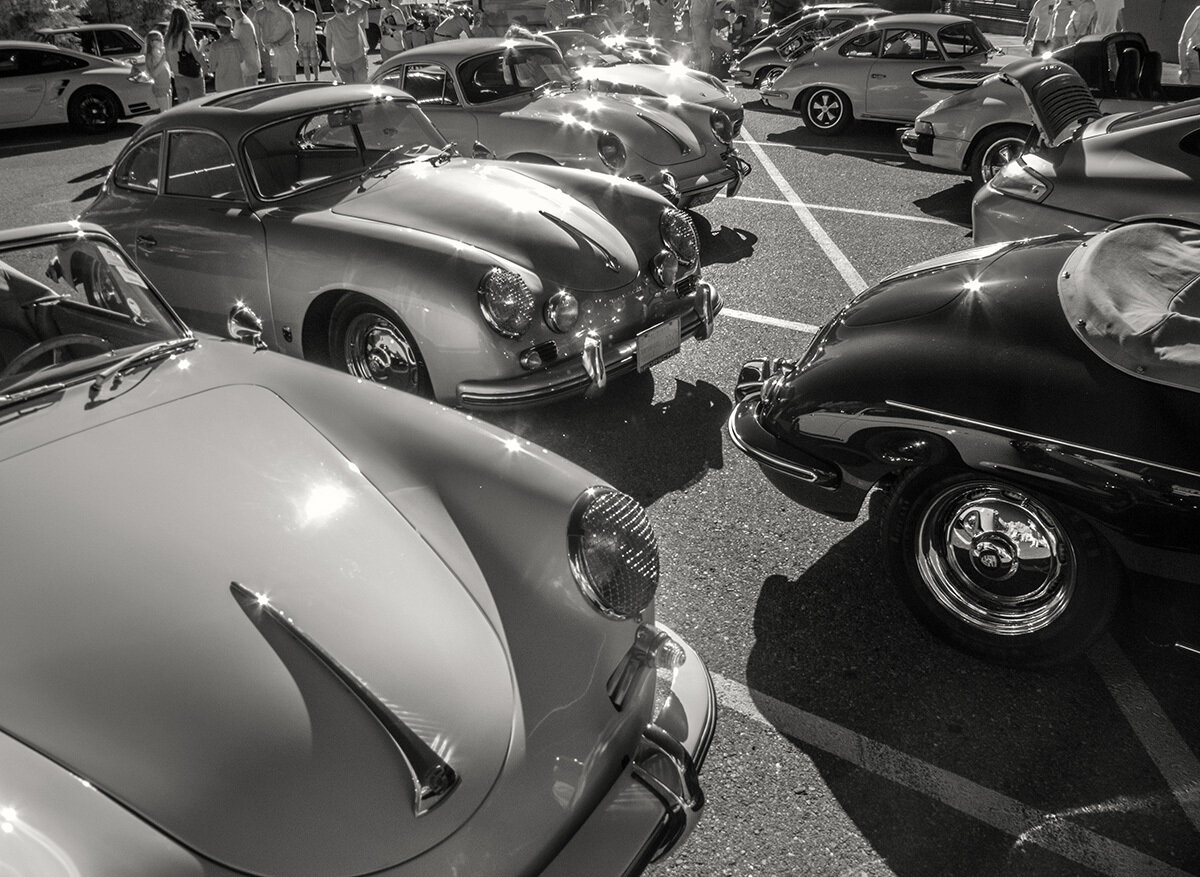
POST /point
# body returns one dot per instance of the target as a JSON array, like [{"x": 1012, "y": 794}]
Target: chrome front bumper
[
  {"x": 657, "y": 800},
  {"x": 588, "y": 372}
]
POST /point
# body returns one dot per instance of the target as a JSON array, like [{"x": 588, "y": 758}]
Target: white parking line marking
[
  {"x": 770, "y": 321},
  {"x": 1175, "y": 761},
  {"x": 835, "y": 255},
  {"x": 930, "y": 219},
  {"x": 1051, "y": 831},
  {"x": 835, "y": 149}
]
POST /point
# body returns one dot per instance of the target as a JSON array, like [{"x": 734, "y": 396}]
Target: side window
[
  {"x": 138, "y": 170},
  {"x": 911, "y": 45},
  {"x": 200, "y": 165},
  {"x": 429, "y": 84},
  {"x": 10, "y": 63},
  {"x": 960, "y": 40},
  {"x": 52, "y": 62},
  {"x": 116, "y": 42},
  {"x": 862, "y": 46}
]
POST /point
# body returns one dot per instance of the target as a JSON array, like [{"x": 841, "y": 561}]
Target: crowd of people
[{"x": 1057, "y": 23}]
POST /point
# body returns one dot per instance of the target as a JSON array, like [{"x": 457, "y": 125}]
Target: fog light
[{"x": 562, "y": 311}]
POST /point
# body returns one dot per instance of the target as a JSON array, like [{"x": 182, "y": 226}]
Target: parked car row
[{"x": 976, "y": 391}]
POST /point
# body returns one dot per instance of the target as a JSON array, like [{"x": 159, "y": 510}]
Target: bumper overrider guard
[
  {"x": 589, "y": 373},
  {"x": 657, "y": 800},
  {"x": 805, "y": 478}
]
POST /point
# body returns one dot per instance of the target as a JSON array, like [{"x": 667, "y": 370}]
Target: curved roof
[{"x": 1132, "y": 294}]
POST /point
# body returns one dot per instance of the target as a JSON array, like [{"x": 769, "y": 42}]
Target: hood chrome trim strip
[{"x": 433, "y": 778}]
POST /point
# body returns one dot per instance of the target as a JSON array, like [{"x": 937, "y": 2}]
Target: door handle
[
  {"x": 146, "y": 241},
  {"x": 879, "y": 76}
]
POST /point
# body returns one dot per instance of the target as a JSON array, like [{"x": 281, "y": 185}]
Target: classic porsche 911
[
  {"x": 523, "y": 102},
  {"x": 1089, "y": 171},
  {"x": 259, "y": 618},
  {"x": 980, "y": 129},
  {"x": 867, "y": 71},
  {"x": 1031, "y": 411},
  {"x": 343, "y": 219}
]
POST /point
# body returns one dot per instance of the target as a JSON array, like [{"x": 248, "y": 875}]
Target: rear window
[{"x": 960, "y": 40}]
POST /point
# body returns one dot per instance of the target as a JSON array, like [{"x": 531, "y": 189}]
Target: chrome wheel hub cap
[
  {"x": 826, "y": 109},
  {"x": 995, "y": 558},
  {"x": 376, "y": 350}
]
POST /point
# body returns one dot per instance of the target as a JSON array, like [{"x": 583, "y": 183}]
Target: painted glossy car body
[
  {"x": 970, "y": 366},
  {"x": 956, "y": 132},
  {"x": 867, "y": 72},
  {"x": 42, "y": 84},
  {"x": 602, "y": 70},
  {"x": 1098, "y": 171},
  {"x": 289, "y": 624},
  {"x": 623, "y": 39},
  {"x": 264, "y": 198},
  {"x": 773, "y": 52},
  {"x": 467, "y": 87}
]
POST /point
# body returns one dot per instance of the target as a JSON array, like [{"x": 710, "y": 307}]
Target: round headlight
[
  {"x": 611, "y": 149},
  {"x": 679, "y": 234},
  {"x": 722, "y": 126},
  {"x": 506, "y": 302},
  {"x": 562, "y": 311},
  {"x": 613, "y": 552}
]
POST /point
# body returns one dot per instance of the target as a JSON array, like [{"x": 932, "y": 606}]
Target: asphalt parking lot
[{"x": 850, "y": 741}]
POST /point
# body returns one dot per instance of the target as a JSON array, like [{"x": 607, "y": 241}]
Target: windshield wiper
[
  {"x": 31, "y": 392},
  {"x": 113, "y": 372},
  {"x": 376, "y": 168}
]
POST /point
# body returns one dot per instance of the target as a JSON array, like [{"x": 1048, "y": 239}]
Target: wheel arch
[{"x": 985, "y": 133}]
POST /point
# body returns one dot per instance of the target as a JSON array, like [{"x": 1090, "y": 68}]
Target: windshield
[
  {"x": 512, "y": 71},
  {"x": 69, "y": 306},
  {"x": 335, "y": 144}
]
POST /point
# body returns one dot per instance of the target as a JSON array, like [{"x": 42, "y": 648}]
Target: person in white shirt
[
  {"x": 1189, "y": 39},
  {"x": 1082, "y": 22},
  {"x": 1039, "y": 27},
  {"x": 1063, "y": 10},
  {"x": 1110, "y": 16}
]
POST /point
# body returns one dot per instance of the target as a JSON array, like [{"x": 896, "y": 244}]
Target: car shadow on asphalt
[
  {"x": 724, "y": 245},
  {"x": 644, "y": 447},
  {"x": 884, "y": 708},
  {"x": 952, "y": 204}
]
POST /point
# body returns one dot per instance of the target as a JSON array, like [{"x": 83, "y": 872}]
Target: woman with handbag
[{"x": 184, "y": 57}]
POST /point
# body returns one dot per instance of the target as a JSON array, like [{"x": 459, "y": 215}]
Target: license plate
[{"x": 657, "y": 343}]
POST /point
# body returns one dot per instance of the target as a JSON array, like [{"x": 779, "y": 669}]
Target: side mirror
[
  {"x": 481, "y": 151},
  {"x": 244, "y": 325}
]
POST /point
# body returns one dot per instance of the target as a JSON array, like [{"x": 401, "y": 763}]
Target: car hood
[
  {"x": 662, "y": 80},
  {"x": 210, "y": 716},
  {"x": 495, "y": 207},
  {"x": 659, "y": 136}
]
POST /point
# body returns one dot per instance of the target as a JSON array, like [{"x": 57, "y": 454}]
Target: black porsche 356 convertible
[{"x": 1031, "y": 409}]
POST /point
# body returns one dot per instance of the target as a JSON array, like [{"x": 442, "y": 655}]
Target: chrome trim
[
  {"x": 610, "y": 261},
  {"x": 663, "y": 766},
  {"x": 433, "y": 778},
  {"x": 593, "y": 359},
  {"x": 640, "y": 660},
  {"x": 761, "y": 456},
  {"x": 981, "y": 424}
]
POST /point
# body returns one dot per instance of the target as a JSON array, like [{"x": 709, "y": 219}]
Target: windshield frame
[{"x": 80, "y": 369}]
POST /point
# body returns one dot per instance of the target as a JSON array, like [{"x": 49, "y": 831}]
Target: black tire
[
  {"x": 763, "y": 74},
  {"x": 995, "y": 148},
  {"x": 997, "y": 569},
  {"x": 93, "y": 110},
  {"x": 370, "y": 342},
  {"x": 826, "y": 111}
]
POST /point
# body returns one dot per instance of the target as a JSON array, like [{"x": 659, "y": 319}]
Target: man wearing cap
[
  {"x": 243, "y": 32},
  {"x": 225, "y": 57}
]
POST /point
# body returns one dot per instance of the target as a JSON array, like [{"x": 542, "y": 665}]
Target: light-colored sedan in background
[
  {"x": 344, "y": 219},
  {"x": 116, "y": 42},
  {"x": 867, "y": 72},
  {"x": 260, "y": 618},
  {"x": 42, "y": 84},
  {"x": 1091, "y": 171},
  {"x": 521, "y": 101}
]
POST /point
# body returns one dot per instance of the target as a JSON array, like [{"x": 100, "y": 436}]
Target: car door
[
  {"x": 22, "y": 87},
  {"x": 891, "y": 91},
  {"x": 432, "y": 87},
  {"x": 196, "y": 235}
]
